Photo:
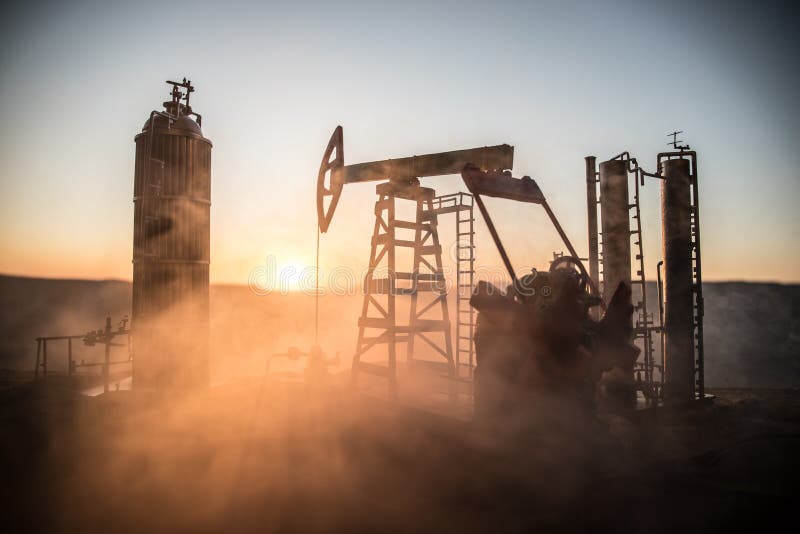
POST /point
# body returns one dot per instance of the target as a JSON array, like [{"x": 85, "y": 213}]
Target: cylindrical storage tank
[
  {"x": 616, "y": 225},
  {"x": 676, "y": 227},
  {"x": 171, "y": 251},
  {"x": 617, "y": 385}
]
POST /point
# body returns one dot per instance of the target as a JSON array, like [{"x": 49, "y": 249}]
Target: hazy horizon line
[{"x": 301, "y": 291}]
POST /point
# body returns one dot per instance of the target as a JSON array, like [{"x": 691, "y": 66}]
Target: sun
[{"x": 295, "y": 275}]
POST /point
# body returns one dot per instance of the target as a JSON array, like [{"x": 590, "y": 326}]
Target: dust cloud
[
  {"x": 277, "y": 451},
  {"x": 273, "y": 451}
]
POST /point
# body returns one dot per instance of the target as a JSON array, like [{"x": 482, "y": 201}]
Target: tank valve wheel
[{"x": 331, "y": 169}]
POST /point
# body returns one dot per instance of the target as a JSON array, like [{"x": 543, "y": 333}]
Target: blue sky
[{"x": 558, "y": 80}]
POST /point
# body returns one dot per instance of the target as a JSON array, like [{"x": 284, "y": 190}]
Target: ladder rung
[
  {"x": 411, "y": 225},
  {"x": 419, "y": 325},
  {"x": 419, "y": 276}
]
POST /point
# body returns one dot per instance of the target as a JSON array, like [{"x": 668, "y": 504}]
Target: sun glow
[{"x": 295, "y": 275}]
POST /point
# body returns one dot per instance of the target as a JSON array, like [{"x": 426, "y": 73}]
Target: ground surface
[
  {"x": 267, "y": 456},
  {"x": 270, "y": 456}
]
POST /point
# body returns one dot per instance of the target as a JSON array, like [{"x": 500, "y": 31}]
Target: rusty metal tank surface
[
  {"x": 678, "y": 280},
  {"x": 616, "y": 226},
  {"x": 618, "y": 386},
  {"x": 171, "y": 248}
]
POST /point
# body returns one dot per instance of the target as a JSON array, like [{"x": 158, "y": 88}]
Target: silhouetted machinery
[
  {"x": 566, "y": 330},
  {"x": 172, "y": 200},
  {"x": 677, "y": 376},
  {"x": 538, "y": 336},
  {"x": 422, "y": 282},
  {"x": 514, "y": 327}
]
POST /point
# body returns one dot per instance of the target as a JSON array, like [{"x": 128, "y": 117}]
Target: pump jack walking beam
[
  {"x": 334, "y": 174},
  {"x": 503, "y": 185},
  {"x": 481, "y": 169}
]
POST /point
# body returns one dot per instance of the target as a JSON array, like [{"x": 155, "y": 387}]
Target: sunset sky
[{"x": 558, "y": 80}]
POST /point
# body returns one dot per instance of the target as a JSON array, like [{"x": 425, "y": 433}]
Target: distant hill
[
  {"x": 31, "y": 307},
  {"x": 752, "y": 330},
  {"x": 752, "y": 334}
]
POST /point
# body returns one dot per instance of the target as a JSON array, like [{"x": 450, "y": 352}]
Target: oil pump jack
[
  {"x": 422, "y": 283},
  {"x": 531, "y": 308}
]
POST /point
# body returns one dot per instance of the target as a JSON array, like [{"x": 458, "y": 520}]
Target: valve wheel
[{"x": 330, "y": 170}]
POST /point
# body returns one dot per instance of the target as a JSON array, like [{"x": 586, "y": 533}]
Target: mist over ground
[
  {"x": 752, "y": 330},
  {"x": 262, "y": 452}
]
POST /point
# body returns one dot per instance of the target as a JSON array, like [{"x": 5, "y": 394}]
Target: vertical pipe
[
  {"x": 106, "y": 365},
  {"x": 390, "y": 246},
  {"x": 69, "y": 357},
  {"x": 44, "y": 358},
  {"x": 698, "y": 281},
  {"x": 471, "y": 285},
  {"x": 107, "y": 362},
  {"x": 38, "y": 357},
  {"x": 661, "y": 316},
  {"x": 678, "y": 287},
  {"x": 614, "y": 212},
  {"x": 415, "y": 263},
  {"x": 591, "y": 210}
]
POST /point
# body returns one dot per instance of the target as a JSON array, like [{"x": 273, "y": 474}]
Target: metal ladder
[
  {"x": 462, "y": 204},
  {"x": 644, "y": 321},
  {"x": 465, "y": 280},
  {"x": 697, "y": 287}
]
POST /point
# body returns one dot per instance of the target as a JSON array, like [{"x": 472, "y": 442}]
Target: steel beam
[{"x": 498, "y": 157}]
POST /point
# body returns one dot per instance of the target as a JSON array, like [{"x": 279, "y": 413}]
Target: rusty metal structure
[
  {"x": 500, "y": 184},
  {"x": 422, "y": 281},
  {"x": 616, "y": 228},
  {"x": 678, "y": 373},
  {"x": 171, "y": 252},
  {"x": 485, "y": 172},
  {"x": 682, "y": 320},
  {"x": 462, "y": 204},
  {"x": 539, "y": 337}
]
